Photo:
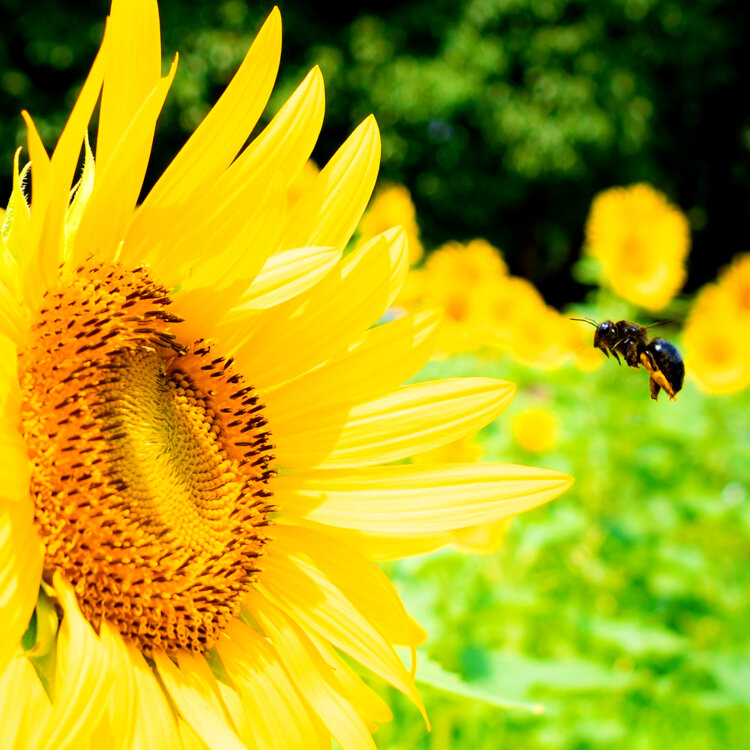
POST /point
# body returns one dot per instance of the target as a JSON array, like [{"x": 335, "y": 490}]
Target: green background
[{"x": 503, "y": 117}]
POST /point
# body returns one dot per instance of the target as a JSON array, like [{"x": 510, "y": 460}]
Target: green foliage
[
  {"x": 503, "y": 117},
  {"x": 621, "y": 606}
]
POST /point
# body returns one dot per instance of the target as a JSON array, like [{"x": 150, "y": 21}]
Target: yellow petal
[
  {"x": 277, "y": 714},
  {"x": 12, "y": 322},
  {"x": 298, "y": 587},
  {"x": 287, "y": 141},
  {"x": 83, "y": 678},
  {"x": 358, "y": 579},
  {"x": 240, "y": 713},
  {"x": 133, "y": 68},
  {"x": 21, "y": 559},
  {"x": 83, "y": 191},
  {"x": 218, "y": 281},
  {"x": 418, "y": 499},
  {"x": 408, "y": 420},
  {"x": 39, "y": 268},
  {"x": 367, "y": 702},
  {"x": 16, "y": 225},
  {"x": 313, "y": 676},
  {"x": 381, "y": 360},
  {"x": 330, "y": 210},
  {"x": 193, "y": 689},
  {"x": 392, "y": 547},
  {"x": 119, "y": 180},
  {"x": 188, "y": 738},
  {"x": 230, "y": 241},
  {"x": 15, "y": 468},
  {"x": 40, "y": 162},
  {"x": 295, "y": 336},
  {"x": 24, "y": 706},
  {"x": 14, "y": 464},
  {"x": 117, "y": 730},
  {"x": 288, "y": 274},
  {"x": 216, "y": 141},
  {"x": 156, "y": 724}
]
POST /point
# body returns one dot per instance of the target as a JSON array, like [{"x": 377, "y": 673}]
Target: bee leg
[
  {"x": 655, "y": 388},
  {"x": 614, "y": 354},
  {"x": 648, "y": 361},
  {"x": 629, "y": 350}
]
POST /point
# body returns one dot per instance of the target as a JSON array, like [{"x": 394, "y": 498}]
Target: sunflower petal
[
  {"x": 358, "y": 579},
  {"x": 288, "y": 140},
  {"x": 313, "y": 677},
  {"x": 21, "y": 559},
  {"x": 17, "y": 221},
  {"x": 40, "y": 161},
  {"x": 230, "y": 242},
  {"x": 216, "y": 141},
  {"x": 294, "y": 337},
  {"x": 12, "y": 323},
  {"x": 330, "y": 210},
  {"x": 119, "y": 180},
  {"x": 135, "y": 39},
  {"x": 418, "y": 499},
  {"x": 288, "y": 274},
  {"x": 39, "y": 268},
  {"x": 381, "y": 360},
  {"x": 298, "y": 587},
  {"x": 118, "y": 729},
  {"x": 156, "y": 724},
  {"x": 83, "y": 678},
  {"x": 369, "y": 704},
  {"x": 15, "y": 467},
  {"x": 24, "y": 706},
  {"x": 193, "y": 689},
  {"x": 276, "y": 713},
  {"x": 409, "y": 420}
]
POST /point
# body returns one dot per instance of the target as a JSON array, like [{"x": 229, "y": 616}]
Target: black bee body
[
  {"x": 666, "y": 366},
  {"x": 630, "y": 341}
]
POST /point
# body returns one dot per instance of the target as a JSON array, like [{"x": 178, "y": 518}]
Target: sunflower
[
  {"x": 715, "y": 337},
  {"x": 455, "y": 278},
  {"x": 203, "y": 429},
  {"x": 642, "y": 242},
  {"x": 535, "y": 429},
  {"x": 735, "y": 284}
]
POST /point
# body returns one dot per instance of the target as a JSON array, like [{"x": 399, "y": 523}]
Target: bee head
[{"x": 604, "y": 335}]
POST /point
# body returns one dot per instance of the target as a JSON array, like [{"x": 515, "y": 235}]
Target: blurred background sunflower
[{"x": 546, "y": 161}]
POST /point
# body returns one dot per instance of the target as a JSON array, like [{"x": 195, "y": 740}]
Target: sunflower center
[{"x": 150, "y": 462}]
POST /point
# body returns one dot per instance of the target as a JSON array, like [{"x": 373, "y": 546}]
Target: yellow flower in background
[
  {"x": 715, "y": 340},
  {"x": 506, "y": 306},
  {"x": 202, "y": 427},
  {"x": 642, "y": 242},
  {"x": 455, "y": 277},
  {"x": 517, "y": 319},
  {"x": 541, "y": 340},
  {"x": 470, "y": 263},
  {"x": 392, "y": 207},
  {"x": 735, "y": 283},
  {"x": 535, "y": 429}
]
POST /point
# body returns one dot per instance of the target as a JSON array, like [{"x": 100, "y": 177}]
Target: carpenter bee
[{"x": 630, "y": 341}]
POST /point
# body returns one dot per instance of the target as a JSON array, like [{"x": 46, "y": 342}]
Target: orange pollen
[{"x": 150, "y": 462}]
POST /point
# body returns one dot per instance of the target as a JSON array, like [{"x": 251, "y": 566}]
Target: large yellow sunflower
[{"x": 203, "y": 430}]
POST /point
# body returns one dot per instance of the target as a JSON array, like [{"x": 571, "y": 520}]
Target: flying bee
[{"x": 630, "y": 341}]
